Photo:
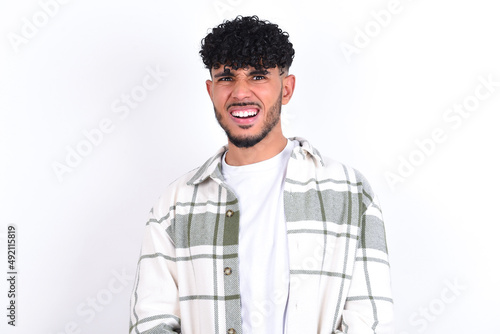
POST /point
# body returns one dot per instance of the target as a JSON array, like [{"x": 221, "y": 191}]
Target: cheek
[
  {"x": 220, "y": 97},
  {"x": 270, "y": 96}
]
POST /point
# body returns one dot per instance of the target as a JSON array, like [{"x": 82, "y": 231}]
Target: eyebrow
[
  {"x": 231, "y": 74},
  {"x": 224, "y": 74},
  {"x": 261, "y": 72}
]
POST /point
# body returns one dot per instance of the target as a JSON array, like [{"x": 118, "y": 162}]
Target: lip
[{"x": 242, "y": 109}]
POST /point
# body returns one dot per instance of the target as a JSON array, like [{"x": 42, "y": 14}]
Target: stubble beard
[{"x": 272, "y": 119}]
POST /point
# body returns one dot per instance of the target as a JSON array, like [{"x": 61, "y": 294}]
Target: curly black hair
[{"x": 247, "y": 41}]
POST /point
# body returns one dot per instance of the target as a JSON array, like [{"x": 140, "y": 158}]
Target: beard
[{"x": 272, "y": 118}]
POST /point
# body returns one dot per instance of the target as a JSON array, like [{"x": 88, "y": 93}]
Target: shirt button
[
  {"x": 228, "y": 271},
  {"x": 231, "y": 331},
  {"x": 229, "y": 213}
]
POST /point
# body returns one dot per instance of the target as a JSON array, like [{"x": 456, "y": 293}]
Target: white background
[{"x": 78, "y": 232}]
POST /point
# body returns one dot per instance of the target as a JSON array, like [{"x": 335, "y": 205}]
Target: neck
[{"x": 265, "y": 149}]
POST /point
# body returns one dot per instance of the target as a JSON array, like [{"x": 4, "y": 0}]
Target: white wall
[{"x": 78, "y": 232}]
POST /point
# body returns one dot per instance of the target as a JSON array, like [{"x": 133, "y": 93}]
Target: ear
[
  {"x": 288, "y": 88},
  {"x": 209, "y": 84}
]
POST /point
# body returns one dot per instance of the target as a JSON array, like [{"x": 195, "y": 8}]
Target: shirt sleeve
[
  {"x": 369, "y": 305},
  {"x": 154, "y": 304}
]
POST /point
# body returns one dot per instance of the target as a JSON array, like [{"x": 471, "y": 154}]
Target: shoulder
[
  {"x": 177, "y": 191},
  {"x": 351, "y": 174},
  {"x": 323, "y": 169},
  {"x": 181, "y": 190}
]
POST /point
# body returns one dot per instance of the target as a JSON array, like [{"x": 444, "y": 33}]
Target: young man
[{"x": 267, "y": 236}]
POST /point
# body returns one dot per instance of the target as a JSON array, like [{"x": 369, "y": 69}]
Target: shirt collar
[
  {"x": 212, "y": 167},
  {"x": 305, "y": 150}
]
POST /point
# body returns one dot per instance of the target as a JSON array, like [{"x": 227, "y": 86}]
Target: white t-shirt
[{"x": 263, "y": 247}]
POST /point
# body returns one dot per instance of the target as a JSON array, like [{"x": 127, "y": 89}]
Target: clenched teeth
[{"x": 243, "y": 114}]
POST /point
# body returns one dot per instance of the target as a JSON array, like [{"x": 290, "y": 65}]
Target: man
[{"x": 267, "y": 236}]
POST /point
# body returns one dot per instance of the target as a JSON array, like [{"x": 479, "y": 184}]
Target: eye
[
  {"x": 259, "y": 77},
  {"x": 226, "y": 79}
]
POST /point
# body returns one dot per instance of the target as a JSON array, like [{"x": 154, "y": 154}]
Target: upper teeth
[{"x": 245, "y": 113}]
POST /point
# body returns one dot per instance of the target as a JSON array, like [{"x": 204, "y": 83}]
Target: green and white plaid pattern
[{"x": 187, "y": 278}]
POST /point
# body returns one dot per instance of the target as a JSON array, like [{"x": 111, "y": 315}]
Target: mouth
[{"x": 244, "y": 113}]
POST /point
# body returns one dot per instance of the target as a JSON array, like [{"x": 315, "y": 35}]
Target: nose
[{"x": 241, "y": 90}]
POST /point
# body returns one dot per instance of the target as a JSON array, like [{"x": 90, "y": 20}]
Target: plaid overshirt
[{"x": 187, "y": 277}]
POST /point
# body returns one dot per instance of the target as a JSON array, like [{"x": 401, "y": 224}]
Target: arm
[
  {"x": 155, "y": 299},
  {"x": 369, "y": 306}
]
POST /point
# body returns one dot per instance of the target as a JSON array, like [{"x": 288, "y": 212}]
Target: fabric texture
[
  {"x": 187, "y": 278},
  {"x": 262, "y": 241}
]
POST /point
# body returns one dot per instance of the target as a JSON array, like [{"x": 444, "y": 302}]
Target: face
[{"x": 247, "y": 102}]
